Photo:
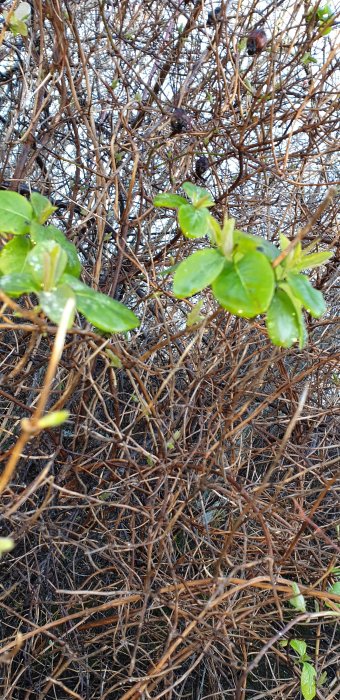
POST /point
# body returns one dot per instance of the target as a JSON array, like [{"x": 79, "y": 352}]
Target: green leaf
[
  {"x": 298, "y": 601},
  {"x": 115, "y": 361},
  {"x": 15, "y": 213},
  {"x": 282, "y": 324},
  {"x": 53, "y": 419},
  {"x": 227, "y": 237},
  {"x": 194, "y": 316},
  {"x": 41, "y": 233},
  {"x": 314, "y": 260},
  {"x": 193, "y": 222},
  {"x": 334, "y": 589},
  {"x": 17, "y": 284},
  {"x": 47, "y": 262},
  {"x": 215, "y": 231},
  {"x": 308, "y": 685},
  {"x": 293, "y": 258},
  {"x": 53, "y": 303},
  {"x": 199, "y": 195},
  {"x": 325, "y": 31},
  {"x": 284, "y": 241},
  {"x": 307, "y": 58},
  {"x": 303, "y": 336},
  {"x": 299, "y": 646},
  {"x": 169, "y": 200},
  {"x": 42, "y": 207},
  {"x": 198, "y": 271},
  {"x": 18, "y": 27},
  {"x": 103, "y": 312},
  {"x": 323, "y": 679},
  {"x": 246, "y": 287},
  {"x": 13, "y": 255},
  {"x": 324, "y": 12},
  {"x": 310, "y": 298},
  {"x": 249, "y": 86},
  {"x": 247, "y": 242}
]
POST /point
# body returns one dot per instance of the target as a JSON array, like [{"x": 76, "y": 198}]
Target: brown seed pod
[
  {"x": 256, "y": 42},
  {"x": 180, "y": 121},
  {"x": 214, "y": 16},
  {"x": 201, "y": 166}
]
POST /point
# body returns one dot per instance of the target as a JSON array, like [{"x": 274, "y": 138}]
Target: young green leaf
[
  {"x": 115, "y": 361},
  {"x": 53, "y": 419},
  {"x": 53, "y": 303},
  {"x": 17, "y": 19},
  {"x": 284, "y": 241},
  {"x": 41, "y": 233},
  {"x": 299, "y": 646},
  {"x": 249, "y": 86},
  {"x": 103, "y": 312},
  {"x": 322, "y": 680},
  {"x": 227, "y": 237},
  {"x": 194, "y": 316},
  {"x": 197, "y": 271},
  {"x": 193, "y": 222},
  {"x": 308, "y": 58},
  {"x": 17, "y": 284},
  {"x": 334, "y": 589},
  {"x": 310, "y": 298},
  {"x": 199, "y": 196},
  {"x": 13, "y": 255},
  {"x": 324, "y": 30},
  {"x": 282, "y": 323},
  {"x": 42, "y": 207},
  {"x": 47, "y": 262},
  {"x": 298, "y": 601},
  {"x": 17, "y": 26},
  {"x": 15, "y": 213},
  {"x": 303, "y": 336},
  {"x": 169, "y": 200},
  {"x": 246, "y": 287},
  {"x": 308, "y": 684},
  {"x": 308, "y": 262},
  {"x": 215, "y": 231}
]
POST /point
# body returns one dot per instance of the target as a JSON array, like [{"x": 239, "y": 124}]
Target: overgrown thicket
[{"x": 157, "y": 531}]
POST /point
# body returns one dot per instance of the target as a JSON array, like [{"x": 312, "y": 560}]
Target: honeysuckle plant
[
  {"x": 308, "y": 675},
  {"x": 38, "y": 259},
  {"x": 247, "y": 274}
]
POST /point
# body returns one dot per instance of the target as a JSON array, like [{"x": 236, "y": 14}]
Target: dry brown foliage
[{"x": 158, "y": 530}]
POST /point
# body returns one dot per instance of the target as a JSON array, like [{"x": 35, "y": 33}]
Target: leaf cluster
[
  {"x": 323, "y": 18},
  {"x": 241, "y": 271},
  {"x": 17, "y": 20},
  {"x": 308, "y": 681},
  {"x": 39, "y": 259}
]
